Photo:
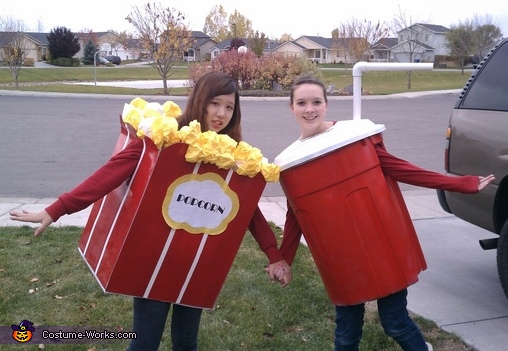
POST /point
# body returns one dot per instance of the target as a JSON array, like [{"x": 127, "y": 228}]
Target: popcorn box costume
[
  {"x": 353, "y": 217},
  {"x": 172, "y": 231}
]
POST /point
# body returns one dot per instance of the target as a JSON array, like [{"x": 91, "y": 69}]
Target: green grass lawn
[
  {"x": 46, "y": 281},
  {"x": 374, "y": 82}
]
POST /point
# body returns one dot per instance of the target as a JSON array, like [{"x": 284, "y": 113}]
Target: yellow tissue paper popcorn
[
  {"x": 270, "y": 171},
  {"x": 159, "y": 123},
  {"x": 248, "y": 159},
  {"x": 191, "y": 132},
  {"x": 171, "y": 109}
]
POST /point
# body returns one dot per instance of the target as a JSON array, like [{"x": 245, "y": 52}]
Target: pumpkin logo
[{"x": 23, "y": 331}]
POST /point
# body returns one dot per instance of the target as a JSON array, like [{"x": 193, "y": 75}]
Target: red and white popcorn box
[{"x": 172, "y": 231}]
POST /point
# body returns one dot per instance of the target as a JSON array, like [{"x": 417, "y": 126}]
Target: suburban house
[
  {"x": 381, "y": 50},
  {"x": 35, "y": 44},
  {"x": 109, "y": 44},
  {"x": 318, "y": 49},
  {"x": 417, "y": 43},
  {"x": 201, "y": 48}
]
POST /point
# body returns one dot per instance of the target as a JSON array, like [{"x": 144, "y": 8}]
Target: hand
[
  {"x": 279, "y": 271},
  {"x": 484, "y": 181},
  {"x": 41, "y": 217}
]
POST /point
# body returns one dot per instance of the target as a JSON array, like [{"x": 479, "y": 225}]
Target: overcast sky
[{"x": 272, "y": 17}]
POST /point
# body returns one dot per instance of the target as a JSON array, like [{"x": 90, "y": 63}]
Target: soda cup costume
[{"x": 343, "y": 196}]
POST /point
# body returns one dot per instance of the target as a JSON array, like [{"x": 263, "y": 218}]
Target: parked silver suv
[{"x": 477, "y": 143}]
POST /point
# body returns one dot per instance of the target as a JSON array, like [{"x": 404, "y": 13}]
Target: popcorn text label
[{"x": 200, "y": 203}]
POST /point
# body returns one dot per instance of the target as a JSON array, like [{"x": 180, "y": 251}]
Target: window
[{"x": 488, "y": 90}]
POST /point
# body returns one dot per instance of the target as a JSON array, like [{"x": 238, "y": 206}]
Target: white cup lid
[{"x": 341, "y": 134}]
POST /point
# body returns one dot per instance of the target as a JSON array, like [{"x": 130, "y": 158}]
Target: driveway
[{"x": 141, "y": 84}]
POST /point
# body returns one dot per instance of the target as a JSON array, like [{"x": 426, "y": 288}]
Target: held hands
[
  {"x": 279, "y": 271},
  {"x": 41, "y": 217},
  {"x": 484, "y": 181}
]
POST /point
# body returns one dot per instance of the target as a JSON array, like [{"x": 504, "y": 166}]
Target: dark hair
[
  {"x": 207, "y": 87},
  {"x": 306, "y": 79}
]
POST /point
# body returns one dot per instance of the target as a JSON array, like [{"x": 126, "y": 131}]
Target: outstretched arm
[
  {"x": 484, "y": 181},
  {"x": 101, "y": 182},
  {"x": 405, "y": 172},
  {"x": 41, "y": 217}
]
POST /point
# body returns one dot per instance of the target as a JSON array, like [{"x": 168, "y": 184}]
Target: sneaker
[{"x": 429, "y": 346}]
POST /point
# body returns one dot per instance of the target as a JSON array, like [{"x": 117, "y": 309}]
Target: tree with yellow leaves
[{"x": 163, "y": 36}]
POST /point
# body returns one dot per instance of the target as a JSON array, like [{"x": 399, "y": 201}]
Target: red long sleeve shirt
[
  {"x": 116, "y": 171},
  {"x": 399, "y": 170}
]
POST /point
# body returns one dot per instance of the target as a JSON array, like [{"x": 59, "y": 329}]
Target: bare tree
[
  {"x": 486, "y": 34},
  {"x": 163, "y": 34},
  {"x": 14, "y": 45},
  {"x": 39, "y": 27},
  {"x": 471, "y": 39},
  {"x": 409, "y": 39},
  {"x": 460, "y": 42},
  {"x": 353, "y": 38}
]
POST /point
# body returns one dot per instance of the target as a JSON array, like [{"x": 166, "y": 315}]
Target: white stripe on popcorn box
[
  {"x": 158, "y": 266},
  {"x": 117, "y": 214},
  {"x": 92, "y": 230},
  {"x": 193, "y": 267},
  {"x": 200, "y": 250},
  {"x": 202, "y": 244}
]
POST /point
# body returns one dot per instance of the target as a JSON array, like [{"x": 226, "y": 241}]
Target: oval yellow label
[{"x": 200, "y": 203}]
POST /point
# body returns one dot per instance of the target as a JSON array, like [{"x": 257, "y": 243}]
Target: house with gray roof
[
  {"x": 420, "y": 42},
  {"x": 381, "y": 49},
  {"x": 201, "y": 47},
  {"x": 109, "y": 44},
  {"x": 318, "y": 49},
  {"x": 35, "y": 44}
]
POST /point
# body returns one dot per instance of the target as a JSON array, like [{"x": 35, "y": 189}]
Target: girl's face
[
  {"x": 219, "y": 112},
  {"x": 309, "y": 108}
]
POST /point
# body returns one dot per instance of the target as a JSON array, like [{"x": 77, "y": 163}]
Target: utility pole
[{"x": 95, "y": 66}]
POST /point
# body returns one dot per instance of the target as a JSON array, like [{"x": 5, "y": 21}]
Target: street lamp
[
  {"x": 234, "y": 38},
  {"x": 234, "y": 28},
  {"x": 95, "y": 65}
]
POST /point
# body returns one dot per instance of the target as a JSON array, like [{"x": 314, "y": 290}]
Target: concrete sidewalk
[
  {"x": 422, "y": 204},
  {"x": 141, "y": 84}
]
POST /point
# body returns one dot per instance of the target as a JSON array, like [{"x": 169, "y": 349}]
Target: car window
[{"x": 488, "y": 89}]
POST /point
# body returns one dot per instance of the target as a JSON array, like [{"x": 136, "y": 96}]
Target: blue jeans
[
  {"x": 149, "y": 320},
  {"x": 394, "y": 318}
]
